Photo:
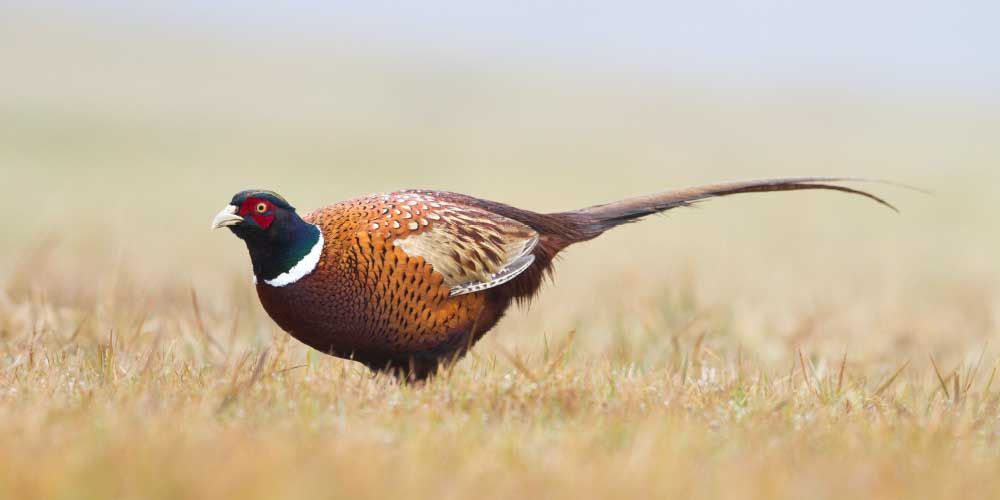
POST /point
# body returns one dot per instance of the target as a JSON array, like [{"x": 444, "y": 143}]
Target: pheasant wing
[{"x": 474, "y": 249}]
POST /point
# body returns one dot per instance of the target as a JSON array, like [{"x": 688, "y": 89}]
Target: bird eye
[{"x": 261, "y": 207}]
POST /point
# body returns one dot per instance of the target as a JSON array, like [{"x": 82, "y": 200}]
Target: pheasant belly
[{"x": 383, "y": 308}]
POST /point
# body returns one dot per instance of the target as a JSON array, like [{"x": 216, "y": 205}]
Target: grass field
[{"x": 776, "y": 346}]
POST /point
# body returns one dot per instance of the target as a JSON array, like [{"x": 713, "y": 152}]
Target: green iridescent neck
[{"x": 275, "y": 257}]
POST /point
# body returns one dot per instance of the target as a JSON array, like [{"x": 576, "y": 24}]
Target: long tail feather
[{"x": 597, "y": 219}]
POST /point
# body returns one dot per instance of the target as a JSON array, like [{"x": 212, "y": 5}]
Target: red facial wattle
[{"x": 251, "y": 208}]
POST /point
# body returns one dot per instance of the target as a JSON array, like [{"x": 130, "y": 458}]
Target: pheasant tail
[{"x": 588, "y": 223}]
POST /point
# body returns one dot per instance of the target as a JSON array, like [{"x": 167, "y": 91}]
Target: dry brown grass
[
  {"x": 795, "y": 346},
  {"x": 143, "y": 404}
]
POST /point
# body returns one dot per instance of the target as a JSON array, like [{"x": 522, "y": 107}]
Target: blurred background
[{"x": 125, "y": 127}]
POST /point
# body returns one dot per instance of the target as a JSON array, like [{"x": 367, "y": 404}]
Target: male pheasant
[{"x": 407, "y": 280}]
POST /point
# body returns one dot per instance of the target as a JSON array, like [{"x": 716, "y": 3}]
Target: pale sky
[{"x": 935, "y": 47}]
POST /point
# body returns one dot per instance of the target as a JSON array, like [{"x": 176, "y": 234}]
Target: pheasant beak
[{"x": 226, "y": 217}]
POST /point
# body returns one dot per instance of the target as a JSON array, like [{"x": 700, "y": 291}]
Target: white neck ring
[{"x": 301, "y": 269}]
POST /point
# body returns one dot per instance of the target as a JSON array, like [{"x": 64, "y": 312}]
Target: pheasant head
[{"x": 283, "y": 247}]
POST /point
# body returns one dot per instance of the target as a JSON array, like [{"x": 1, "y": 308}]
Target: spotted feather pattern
[
  {"x": 385, "y": 286},
  {"x": 472, "y": 248}
]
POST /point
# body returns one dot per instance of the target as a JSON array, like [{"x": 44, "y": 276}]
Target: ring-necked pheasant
[{"x": 407, "y": 280}]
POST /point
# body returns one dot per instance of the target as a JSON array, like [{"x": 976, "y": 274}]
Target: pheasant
[{"x": 405, "y": 281}]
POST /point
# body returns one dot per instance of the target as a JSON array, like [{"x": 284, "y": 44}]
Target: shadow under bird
[{"x": 406, "y": 281}]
